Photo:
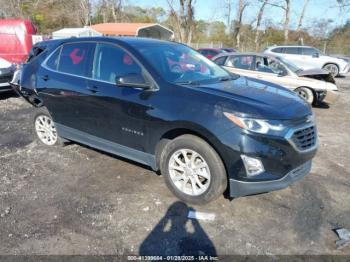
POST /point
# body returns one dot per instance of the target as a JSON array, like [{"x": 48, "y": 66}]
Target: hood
[
  {"x": 314, "y": 71},
  {"x": 318, "y": 74},
  {"x": 257, "y": 99}
]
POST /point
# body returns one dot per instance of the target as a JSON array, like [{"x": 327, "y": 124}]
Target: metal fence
[{"x": 339, "y": 49}]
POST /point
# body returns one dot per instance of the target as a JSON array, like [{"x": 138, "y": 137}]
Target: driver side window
[{"x": 111, "y": 62}]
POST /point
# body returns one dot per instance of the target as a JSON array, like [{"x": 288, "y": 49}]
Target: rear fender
[{"x": 29, "y": 95}]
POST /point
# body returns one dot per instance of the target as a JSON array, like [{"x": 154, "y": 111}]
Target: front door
[{"x": 118, "y": 113}]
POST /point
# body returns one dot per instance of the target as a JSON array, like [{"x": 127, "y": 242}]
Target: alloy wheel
[
  {"x": 46, "y": 130},
  {"x": 189, "y": 172}
]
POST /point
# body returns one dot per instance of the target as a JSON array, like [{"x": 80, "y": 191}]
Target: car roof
[
  {"x": 242, "y": 54},
  {"x": 277, "y": 46},
  {"x": 134, "y": 41}
]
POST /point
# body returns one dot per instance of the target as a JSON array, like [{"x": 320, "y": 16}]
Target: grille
[
  {"x": 305, "y": 139},
  {"x": 5, "y": 78}
]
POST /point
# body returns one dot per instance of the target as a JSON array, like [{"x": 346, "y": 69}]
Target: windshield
[
  {"x": 290, "y": 65},
  {"x": 180, "y": 64}
]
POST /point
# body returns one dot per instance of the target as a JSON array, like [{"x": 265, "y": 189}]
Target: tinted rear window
[
  {"x": 76, "y": 58},
  {"x": 52, "y": 62},
  {"x": 292, "y": 50},
  {"x": 221, "y": 60},
  {"x": 277, "y": 50}
]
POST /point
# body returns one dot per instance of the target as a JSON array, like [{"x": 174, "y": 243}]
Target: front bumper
[
  {"x": 331, "y": 97},
  {"x": 345, "y": 70},
  {"x": 242, "y": 188}
]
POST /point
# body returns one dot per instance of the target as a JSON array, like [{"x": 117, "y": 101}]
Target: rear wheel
[
  {"x": 332, "y": 68},
  {"x": 193, "y": 170},
  {"x": 45, "y": 129},
  {"x": 306, "y": 94}
]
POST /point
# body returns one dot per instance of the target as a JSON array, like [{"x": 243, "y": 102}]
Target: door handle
[
  {"x": 92, "y": 89},
  {"x": 45, "y": 77},
  {"x": 259, "y": 76}
]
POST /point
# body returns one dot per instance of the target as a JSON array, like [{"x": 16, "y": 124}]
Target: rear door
[
  {"x": 242, "y": 65},
  {"x": 294, "y": 54},
  {"x": 62, "y": 81}
]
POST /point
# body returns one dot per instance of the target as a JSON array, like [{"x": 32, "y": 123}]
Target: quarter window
[
  {"x": 112, "y": 62},
  {"x": 277, "y": 50},
  {"x": 52, "y": 63},
  {"x": 221, "y": 60},
  {"x": 76, "y": 58},
  {"x": 292, "y": 50}
]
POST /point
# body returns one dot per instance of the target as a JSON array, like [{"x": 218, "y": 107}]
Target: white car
[
  {"x": 6, "y": 73},
  {"x": 314, "y": 85},
  {"x": 307, "y": 57}
]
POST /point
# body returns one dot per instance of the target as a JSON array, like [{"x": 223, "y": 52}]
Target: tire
[
  {"x": 45, "y": 130},
  {"x": 332, "y": 68},
  {"x": 306, "y": 93},
  {"x": 206, "y": 170}
]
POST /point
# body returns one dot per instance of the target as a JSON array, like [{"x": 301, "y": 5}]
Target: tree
[
  {"x": 301, "y": 18},
  {"x": 85, "y": 12},
  {"x": 183, "y": 20},
  {"x": 258, "y": 22},
  {"x": 238, "y": 22}
]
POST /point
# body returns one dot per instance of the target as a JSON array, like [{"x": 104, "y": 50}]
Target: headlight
[{"x": 257, "y": 125}]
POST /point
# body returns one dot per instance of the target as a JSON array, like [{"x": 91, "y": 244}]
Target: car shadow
[
  {"x": 176, "y": 234},
  {"x": 7, "y": 94},
  {"x": 321, "y": 105}
]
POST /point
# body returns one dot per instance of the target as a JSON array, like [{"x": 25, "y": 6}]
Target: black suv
[{"x": 205, "y": 129}]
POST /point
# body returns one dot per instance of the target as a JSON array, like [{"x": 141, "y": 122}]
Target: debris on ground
[
  {"x": 344, "y": 238},
  {"x": 201, "y": 215}
]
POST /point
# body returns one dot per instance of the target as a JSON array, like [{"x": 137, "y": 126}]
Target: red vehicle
[
  {"x": 211, "y": 52},
  {"x": 16, "y": 39}
]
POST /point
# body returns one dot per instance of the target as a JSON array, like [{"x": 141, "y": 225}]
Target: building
[
  {"x": 75, "y": 32},
  {"x": 134, "y": 29}
]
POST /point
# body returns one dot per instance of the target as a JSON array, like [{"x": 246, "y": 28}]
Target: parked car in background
[
  {"x": 206, "y": 130},
  {"x": 6, "y": 73},
  {"x": 16, "y": 39},
  {"x": 313, "y": 85},
  {"x": 210, "y": 52},
  {"x": 229, "y": 50},
  {"x": 307, "y": 57}
]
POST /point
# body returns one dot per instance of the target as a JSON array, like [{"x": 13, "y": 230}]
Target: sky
[{"x": 211, "y": 10}]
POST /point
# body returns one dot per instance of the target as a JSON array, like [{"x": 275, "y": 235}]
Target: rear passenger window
[
  {"x": 241, "y": 62},
  {"x": 52, "y": 62},
  {"x": 277, "y": 50},
  {"x": 76, "y": 58},
  {"x": 292, "y": 50},
  {"x": 221, "y": 60},
  {"x": 112, "y": 62}
]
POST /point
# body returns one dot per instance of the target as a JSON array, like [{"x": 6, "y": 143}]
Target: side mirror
[
  {"x": 316, "y": 55},
  {"x": 133, "y": 80}
]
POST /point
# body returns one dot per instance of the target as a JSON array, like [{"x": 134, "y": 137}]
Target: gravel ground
[{"x": 76, "y": 200}]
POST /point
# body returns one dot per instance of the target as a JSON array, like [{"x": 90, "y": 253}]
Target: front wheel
[
  {"x": 306, "y": 94},
  {"x": 193, "y": 170}
]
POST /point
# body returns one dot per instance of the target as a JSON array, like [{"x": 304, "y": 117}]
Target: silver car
[{"x": 314, "y": 85}]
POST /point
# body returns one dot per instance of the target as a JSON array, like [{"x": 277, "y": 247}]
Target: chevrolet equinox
[{"x": 205, "y": 129}]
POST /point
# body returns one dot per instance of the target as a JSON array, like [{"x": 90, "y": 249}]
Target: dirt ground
[{"x": 76, "y": 200}]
